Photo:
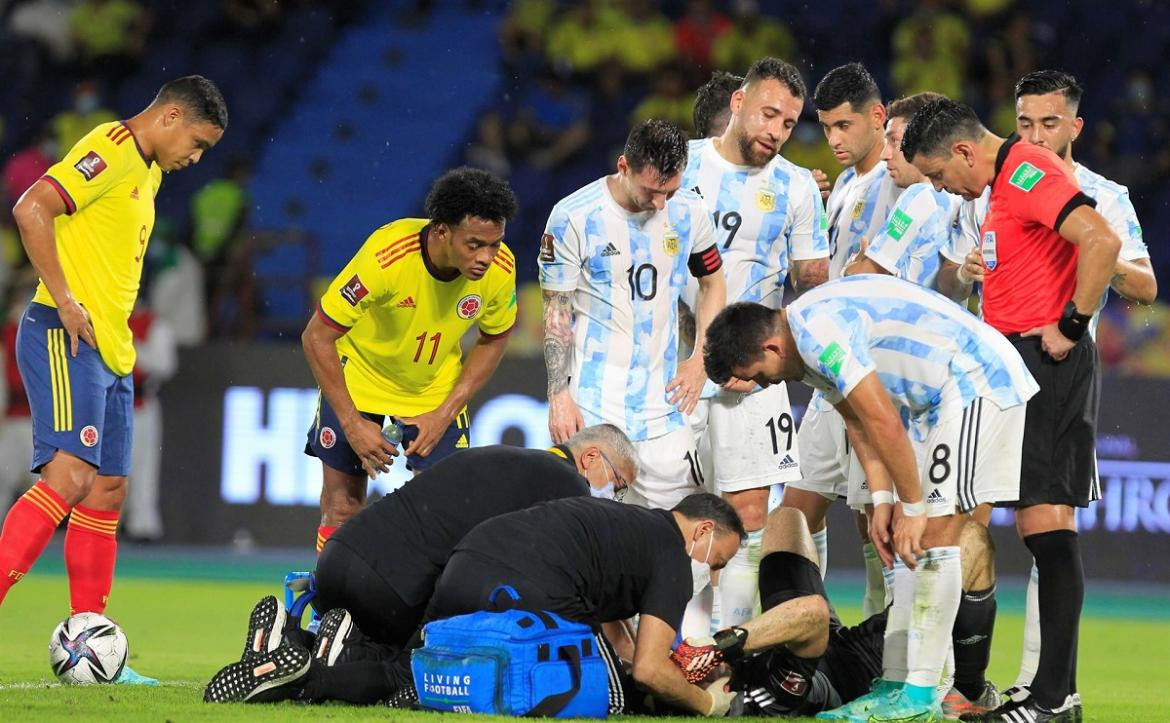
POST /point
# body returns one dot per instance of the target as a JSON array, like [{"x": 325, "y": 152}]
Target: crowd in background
[{"x": 578, "y": 74}]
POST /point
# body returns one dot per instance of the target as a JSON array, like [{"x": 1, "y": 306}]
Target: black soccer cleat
[
  {"x": 332, "y": 636},
  {"x": 265, "y": 678},
  {"x": 1028, "y": 710},
  {"x": 265, "y": 627}
]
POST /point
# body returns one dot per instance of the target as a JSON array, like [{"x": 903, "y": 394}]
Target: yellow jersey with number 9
[
  {"x": 403, "y": 319},
  {"x": 108, "y": 186}
]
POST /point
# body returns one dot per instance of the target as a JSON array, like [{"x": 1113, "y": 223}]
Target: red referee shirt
[{"x": 1031, "y": 270}]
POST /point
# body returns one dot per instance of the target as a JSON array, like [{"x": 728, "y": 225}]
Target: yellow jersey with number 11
[
  {"x": 108, "y": 186},
  {"x": 403, "y": 320}
]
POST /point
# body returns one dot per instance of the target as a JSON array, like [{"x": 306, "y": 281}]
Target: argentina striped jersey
[
  {"x": 916, "y": 230},
  {"x": 858, "y": 208}
]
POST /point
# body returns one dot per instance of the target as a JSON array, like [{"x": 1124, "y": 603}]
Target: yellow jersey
[
  {"x": 403, "y": 322},
  {"x": 108, "y": 186}
]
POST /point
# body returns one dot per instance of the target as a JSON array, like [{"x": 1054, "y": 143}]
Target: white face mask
[
  {"x": 700, "y": 571},
  {"x": 605, "y": 493}
]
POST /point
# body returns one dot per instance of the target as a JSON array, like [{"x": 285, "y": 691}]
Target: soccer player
[
  {"x": 712, "y": 108},
  {"x": 589, "y": 561},
  {"x": 768, "y": 220},
  {"x": 1048, "y": 257},
  {"x": 917, "y": 380},
  {"x": 614, "y": 259},
  {"x": 908, "y": 246},
  {"x": 796, "y": 658},
  {"x": 85, "y": 226},
  {"x": 851, "y": 114},
  {"x": 385, "y": 339}
]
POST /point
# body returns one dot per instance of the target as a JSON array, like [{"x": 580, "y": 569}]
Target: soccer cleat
[
  {"x": 129, "y": 677},
  {"x": 955, "y": 704},
  {"x": 898, "y": 707},
  {"x": 404, "y": 697},
  {"x": 265, "y": 627},
  {"x": 266, "y": 678},
  {"x": 1029, "y": 710},
  {"x": 331, "y": 635},
  {"x": 857, "y": 710}
]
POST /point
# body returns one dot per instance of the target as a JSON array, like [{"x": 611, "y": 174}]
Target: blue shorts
[
  {"x": 78, "y": 404},
  {"x": 327, "y": 441}
]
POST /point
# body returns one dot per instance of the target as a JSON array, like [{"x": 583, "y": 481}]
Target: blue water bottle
[{"x": 393, "y": 431}]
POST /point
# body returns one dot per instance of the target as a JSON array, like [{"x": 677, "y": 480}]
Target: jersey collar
[
  {"x": 1001, "y": 157},
  {"x": 563, "y": 452},
  {"x": 141, "y": 154},
  {"x": 426, "y": 257}
]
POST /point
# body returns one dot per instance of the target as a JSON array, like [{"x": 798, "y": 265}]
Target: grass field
[{"x": 182, "y": 631}]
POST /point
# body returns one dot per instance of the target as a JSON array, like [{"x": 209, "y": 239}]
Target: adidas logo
[
  {"x": 462, "y": 443},
  {"x": 134, "y": 193},
  {"x": 407, "y": 303},
  {"x": 611, "y": 250},
  {"x": 787, "y": 462},
  {"x": 935, "y": 497}
]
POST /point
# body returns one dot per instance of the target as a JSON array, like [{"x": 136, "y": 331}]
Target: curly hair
[{"x": 466, "y": 191}]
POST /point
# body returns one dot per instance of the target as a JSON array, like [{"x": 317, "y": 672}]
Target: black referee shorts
[
  {"x": 1060, "y": 429},
  {"x": 346, "y": 580}
]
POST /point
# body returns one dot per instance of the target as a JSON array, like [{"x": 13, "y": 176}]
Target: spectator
[
  {"x": 27, "y": 165},
  {"x": 669, "y": 101},
  {"x": 45, "y": 22},
  {"x": 218, "y": 211},
  {"x": 752, "y": 36},
  {"x": 614, "y": 98},
  {"x": 109, "y": 35},
  {"x": 643, "y": 40},
  {"x": 489, "y": 150},
  {"x": 583, "y": 37},
  {"x": 70, "y": 126},
  {"x": 695, "y": 33},
  {"x": 553, "y": 123},
  {"x": 157, "y": 361},
  {"x": 177, "y": 293},
  {"x": 522, "y": 30},
  {"x": 250, "y": 20},
  {"x": 16, "y": 450},
  {"x": 930, "y": 52}
]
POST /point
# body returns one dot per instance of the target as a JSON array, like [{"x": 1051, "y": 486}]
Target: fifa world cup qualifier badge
[{"x": 469, "y": 306}]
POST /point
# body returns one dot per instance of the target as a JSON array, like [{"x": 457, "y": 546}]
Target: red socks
[
  {"x": 91, "y": 547},
  {"x": 323, "y": 534},
  {"x": 27, "y": 529}
]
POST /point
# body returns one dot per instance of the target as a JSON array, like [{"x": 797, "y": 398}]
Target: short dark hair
[
  {"x": 466, "y": 191},
  {"x": 850, "y": 83},
  {"x": 706, "y": 506},
  {"x": 734, "y": 338},
  {"x": 713, "y": 99},
  {"x": 911, "y": 104},
  {"x": 937, "y": 125},
  {"x": 777, "y": 69},
  {"x": 198, "y": 95},
  {"x": 660, "y": 144},
  {"x": 1042, "y": 82}
]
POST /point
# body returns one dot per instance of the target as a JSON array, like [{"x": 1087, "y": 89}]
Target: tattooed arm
[
  {"x": 809, "y": 273},
  {"x": 564, "y": 418},
  {"x": 1135, "y": 280}
]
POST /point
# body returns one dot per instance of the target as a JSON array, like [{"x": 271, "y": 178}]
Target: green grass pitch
[{"x": 182, "y": 631}]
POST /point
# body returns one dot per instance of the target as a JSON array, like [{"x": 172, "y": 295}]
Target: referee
[{"x": 1048, "y": 257}]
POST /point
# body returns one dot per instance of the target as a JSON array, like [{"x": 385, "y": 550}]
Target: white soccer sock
[
  {"x": 821, "y": 540},
  {"x": 1031, "y": 657},
  {"x": 938, "y": 588},
  {"x": 897, "y": 624},
  {"x": 875, "y": 583},
  {"x": 697, "y": 618},
  {"x": 739, "y": 582},
  {"x": 716, "y": 610}
]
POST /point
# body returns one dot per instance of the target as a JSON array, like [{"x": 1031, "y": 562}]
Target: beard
[{"x": 750, "y": 153}]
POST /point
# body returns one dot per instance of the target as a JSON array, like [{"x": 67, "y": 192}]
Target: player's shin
[
  {"x": 821, "y": 540},
  {"x": 1031, "y": 654},
  {"x": 938, "y": 587},
  {"x": 739, "y": 583},
  {"x": 875, "y": 582},
  {"x": 971, "y": 637},
  {"x": 91, "y": 549},
  {"x": 28, "y": 527},
  {"x": 894, "y": 650}
]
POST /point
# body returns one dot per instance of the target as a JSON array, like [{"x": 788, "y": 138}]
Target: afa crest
[
  {"x": 766, "y": 199},
  {"x": 670, "y": 242}
]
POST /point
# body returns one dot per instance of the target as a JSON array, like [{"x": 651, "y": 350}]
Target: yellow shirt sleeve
[
  {"x": 362, "y": 283},
  {"x": 92, "y": 167},
  {"x": 500, "y": 314}
]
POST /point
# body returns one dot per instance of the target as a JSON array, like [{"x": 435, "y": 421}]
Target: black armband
[
  {"x": 705, "y": 263},
  {"x": 730, "y": 642},
  {"x": 1073, "y": 324}
]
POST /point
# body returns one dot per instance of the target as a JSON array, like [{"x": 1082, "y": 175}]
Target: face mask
[
  {"x": 605, "y": 493},
  {"x": 700, "y": 571},
  {"x": 87, "y": 103}
]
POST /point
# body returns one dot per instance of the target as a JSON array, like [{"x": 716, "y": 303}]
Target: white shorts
[
  {"x": 824, "y": 462},
  {"x": 753, "y": 439},
  {"x": 668, "y": 470},
  {"x": 972, "y": 458},
  {"x": 699, "y": 420}
]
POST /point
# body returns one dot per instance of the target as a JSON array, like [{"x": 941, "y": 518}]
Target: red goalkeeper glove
[{"x": 697, "y": 657}]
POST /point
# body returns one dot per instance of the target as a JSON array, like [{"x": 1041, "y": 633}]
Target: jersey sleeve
[
  {"x": 560, "y": 256},
  {"x": 963, "y": 236},
  {"x": 500, "y": 314},
  {"x": 361, "y": 284},
  {"x": 704, "y": 258},
  {"x": 1038, "y": 189},
  {"x": 1122, "y": 218},
  {"x": 808, "y": 237},
  {"x": 891, "y": 247},
  {"x": 88, "y": 171},
  {"x": 835, "y": 350}
]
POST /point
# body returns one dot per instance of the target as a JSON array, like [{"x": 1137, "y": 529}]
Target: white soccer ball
[{"x": 87, "y": 648}]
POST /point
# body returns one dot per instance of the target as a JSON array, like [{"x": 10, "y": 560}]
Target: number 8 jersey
[{"x": 626, "y": 272}]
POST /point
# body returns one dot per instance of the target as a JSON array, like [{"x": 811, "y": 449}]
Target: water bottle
[{"x": 392, "y": 431}]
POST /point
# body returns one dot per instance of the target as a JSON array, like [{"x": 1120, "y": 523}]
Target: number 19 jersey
[{"x": 626, "y": 272}]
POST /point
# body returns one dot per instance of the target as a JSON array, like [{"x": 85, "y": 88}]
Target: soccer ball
[{"x": 87, "y": 648}]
